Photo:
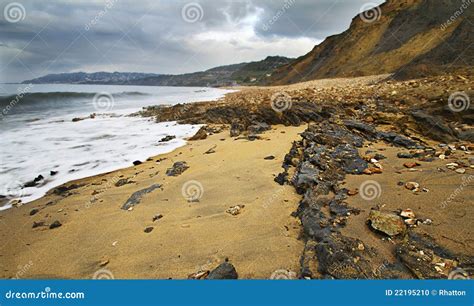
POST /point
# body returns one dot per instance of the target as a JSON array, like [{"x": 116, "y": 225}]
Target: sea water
[{"x": 38, "y": 135}]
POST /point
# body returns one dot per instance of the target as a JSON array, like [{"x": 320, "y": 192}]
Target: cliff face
[{"x": 410, "y": 38}]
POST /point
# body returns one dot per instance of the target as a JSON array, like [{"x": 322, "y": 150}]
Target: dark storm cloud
[{"x": 155, "y": 36}]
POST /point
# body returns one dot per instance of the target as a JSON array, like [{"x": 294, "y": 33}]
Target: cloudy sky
[{"x": 160, "y": 36}]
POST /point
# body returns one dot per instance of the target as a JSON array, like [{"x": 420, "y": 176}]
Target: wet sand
[{"x": 191, "y": 236}]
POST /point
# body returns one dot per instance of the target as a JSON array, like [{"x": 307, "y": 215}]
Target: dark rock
[
  {"x": 53, "y": 173},
  {"x": 136, "y": 197},
  {"x": 307, "y": 175},
  {"x": 157, "y": 217},
  {"x": 418, "y": 253},
  {"x": 148, "y": 229},
  {"x": 201, "y": 134},
  {"x": 433, "y": 127},
  {"x": 34, "y": 211},
  {"x": 62, "y": 190},
  {"x": 258, "y": 128},
  {"x": 122, "y": 182},
  {"x": 281, "y": 178},
  {"x": 404, "y": 155},
  {"x": 34, "y": 182},
  {"x": 137, "y": 162},
  {"x": 253, "y": 137},
  {"x": 167, "y": 138},
  {"x": 55, "y": 224},
  {"x": 177, "y": 169},
  {"x": 224, "y": 271},
  {"x": 467, "y": 135},
  {"x": 235, "y": 129},
  {"x": 379, "y": 156},
  {"x": 362, "y": 127},
  {"x": 38, "y": 224},
  {"x": 398, "y": 140},
  {"x": 270, "y": 157},
  {"x": 211, "y": 150}
]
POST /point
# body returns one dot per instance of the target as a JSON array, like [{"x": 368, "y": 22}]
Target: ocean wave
[{"x": 36, "y": 97}]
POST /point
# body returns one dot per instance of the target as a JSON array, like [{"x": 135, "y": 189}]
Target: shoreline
[
  {"x": 94, "y": 204},
  {"x": 273, "y": 192},
  {"x": 64, "y": 133}
]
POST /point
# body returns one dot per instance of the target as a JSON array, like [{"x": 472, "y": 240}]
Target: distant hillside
[
  {"x": 90, "y": 78},
  {"x": 238, "y": 74},
  {"x": 411, "y": 38}
]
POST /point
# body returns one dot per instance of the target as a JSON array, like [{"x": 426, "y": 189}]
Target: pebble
[
  {"x": 412, "y": 186},
  {"x": 407, "y": 213},
  {"x": 148, "y": 229},
  {"x": 55, "y": 224},
  {"x": 352, "y": 192},
  {"x": 235, "y": 210},
  {"x": 157, "y": 217},
  {"x": 461, "y": 170},
  {"x": 34, "y": 211},
  {"x": 411, "y": 165}
]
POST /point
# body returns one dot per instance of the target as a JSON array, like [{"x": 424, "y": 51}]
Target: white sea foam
[{"x": 80, "y": 149}]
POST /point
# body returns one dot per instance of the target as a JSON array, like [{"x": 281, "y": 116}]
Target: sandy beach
[
  {"x": 190, "y": 236},
  {"x": 272, "y": 191}
]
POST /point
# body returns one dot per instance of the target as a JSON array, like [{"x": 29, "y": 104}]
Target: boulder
[
  {"x": 387, "y": 223},
  {"x": 224, "y": 271}
]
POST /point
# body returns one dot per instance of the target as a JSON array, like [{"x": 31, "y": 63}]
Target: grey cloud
[{"x": 151, "y": 36}]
